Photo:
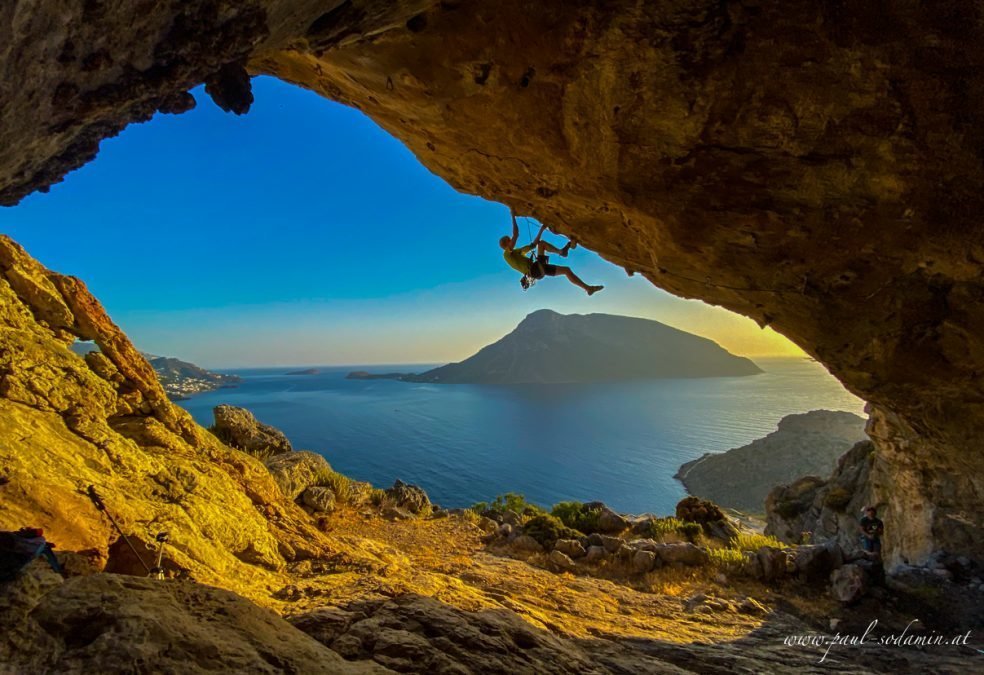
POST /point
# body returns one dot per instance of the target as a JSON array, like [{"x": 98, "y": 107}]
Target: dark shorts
[{"x": 538, "y": 270}]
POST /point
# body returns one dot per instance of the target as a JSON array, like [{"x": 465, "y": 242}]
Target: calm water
[{"x": 617, "y": 442}]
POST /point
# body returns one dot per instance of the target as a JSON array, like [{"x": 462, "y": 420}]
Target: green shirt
[{"x": 516, "y": 257}]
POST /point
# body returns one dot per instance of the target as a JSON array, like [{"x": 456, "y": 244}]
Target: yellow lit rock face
[
  {"x": 68, "y": 422},
  {"x": 814, "y": 166}
]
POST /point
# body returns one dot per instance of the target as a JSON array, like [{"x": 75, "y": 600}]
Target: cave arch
[{"x": 818, "y": 169}]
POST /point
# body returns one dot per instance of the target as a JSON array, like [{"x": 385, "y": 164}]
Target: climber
[
  {"x": 871, "y": 528},
  {"x": 534, "y": 268}
]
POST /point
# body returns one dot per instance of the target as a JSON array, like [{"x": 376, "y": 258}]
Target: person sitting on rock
[
  {"x": 533, "y": 270},
  {"x": 871, "y": 528}
]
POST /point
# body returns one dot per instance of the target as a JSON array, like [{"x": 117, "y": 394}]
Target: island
[
  {"x": 306, "y": 371},
  {"x": 366, "y": 375},
  {"x": 552, "y": 348}
]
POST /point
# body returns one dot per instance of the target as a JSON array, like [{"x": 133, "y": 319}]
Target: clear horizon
[
  {"x": 282, "y": 366},
  {"x": 303, "y": 230}
]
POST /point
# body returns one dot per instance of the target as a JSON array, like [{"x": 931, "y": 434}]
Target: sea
[{"x": 618, "y": 442}]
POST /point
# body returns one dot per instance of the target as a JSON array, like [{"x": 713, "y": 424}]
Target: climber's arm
[{"x": 515, "y": 231}]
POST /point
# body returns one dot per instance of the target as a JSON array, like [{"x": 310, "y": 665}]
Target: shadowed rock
[{"x": 108, "y": 623}]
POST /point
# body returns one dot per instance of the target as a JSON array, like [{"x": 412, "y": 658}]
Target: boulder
[
  {"x": 693, "y": 602},
  {"x": 570, "y": 547},
  {"x": 643, "y": 544},
  {"x": 611, "y": 544},
  {"x": 724, "y": 530},
  {"x": 392, "y": 512},
  {"x": 107, "y": 623},
  {"x": 816, "y": 562},
  {"x": 682, "y": 553},
  {"x": 487, "y": 525},
  {"x": 561, "y": 562},
  {"x": 611, "y": 522},
  {"x": 595, "y": 554},
  {"x": 319, "y": 498},
  {"x": 294, "y": 472},
  {"x": 505, "y": 530},
  {"x": 817, "y": 510},
  {"x": 359, "y": 492},
  {"x": 643, "y": 561},
  {"x": 774, "y": 563},
  {"x": 238, "y": 428},
  {"x": 848, "y": 583},
  {"x": 411, "y": 498},
  {"x": 524, "y": 543},
  {"x": 751, "y": 566},
  {"x": 714, "y": 522},
  {"x": 695, "y": 510}
]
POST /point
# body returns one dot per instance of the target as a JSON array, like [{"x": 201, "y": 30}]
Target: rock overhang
[{"x": 817, "y": 168}]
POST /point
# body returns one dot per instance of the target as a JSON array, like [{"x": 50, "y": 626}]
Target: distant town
[{"x": 180, "y": 379}]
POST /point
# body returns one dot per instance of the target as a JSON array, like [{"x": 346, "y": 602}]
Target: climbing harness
[
  {"x": 537, "y": 270},
  {"x": 536, "y": 263}
]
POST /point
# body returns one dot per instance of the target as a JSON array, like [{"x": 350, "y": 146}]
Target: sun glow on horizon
[{"x": 338, "y": 248}]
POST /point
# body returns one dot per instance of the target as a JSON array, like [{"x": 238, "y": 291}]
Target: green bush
[
  {"x": 750, "y": 541},
  {"x": 661, "y": 527},
  {"x": 340, "y": 484},
  {"x": 575, "y": 515},
  {"x": 690, "y": 531},
  {"x": 726, "y": 557},
  {"x": 509, "y": 501},
  {"x": 377, "y": 497},
  {"x": 547, "y": 529}
]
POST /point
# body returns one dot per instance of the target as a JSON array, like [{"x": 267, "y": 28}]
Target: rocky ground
[{"x": 426, "y": 595}]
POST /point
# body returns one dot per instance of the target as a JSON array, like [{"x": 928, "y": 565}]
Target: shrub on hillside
[
  {"x": 726, "y": 557},
  {"x": 670, "y": 529},
  {"x": 509, "y": 501},
  {"x": 690, "y": 531},
  {"x": 340, "y": 484},
  {"x": 750, "y": 541},
  {"x": 547, "y": 529},
  {"x": 577, "y": 516}
]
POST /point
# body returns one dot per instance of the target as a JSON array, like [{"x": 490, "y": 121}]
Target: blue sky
[{"x": 302, "y": 233}]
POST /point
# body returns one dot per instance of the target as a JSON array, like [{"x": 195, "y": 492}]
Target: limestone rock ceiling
[{"x": 815, "y": 166}]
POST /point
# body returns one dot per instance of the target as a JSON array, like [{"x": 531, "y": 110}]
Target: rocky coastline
[{"x": 803, "y": 444}]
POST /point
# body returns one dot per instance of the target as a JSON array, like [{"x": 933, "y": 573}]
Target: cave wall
[{"x": 815, "y": 166}]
